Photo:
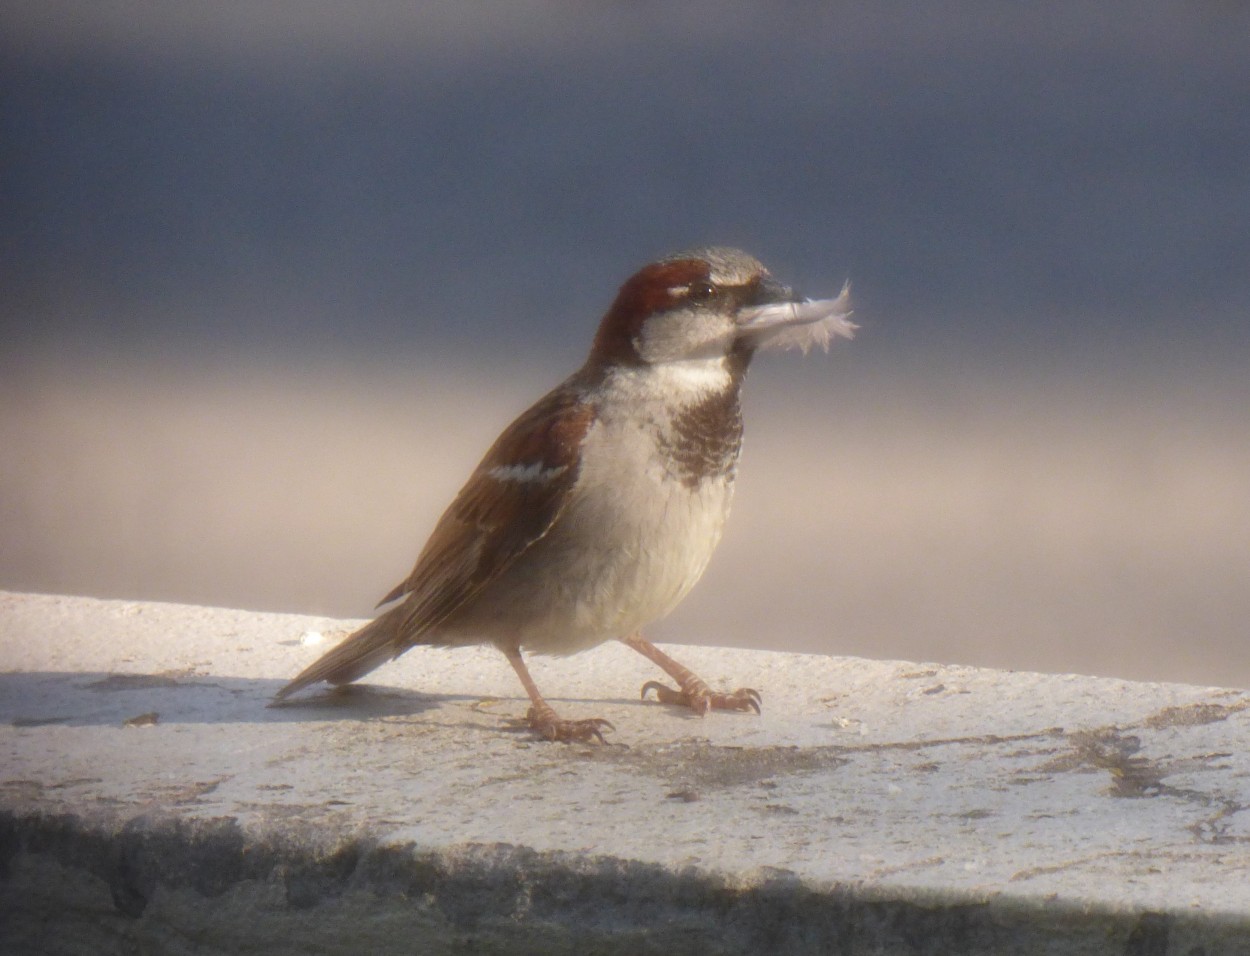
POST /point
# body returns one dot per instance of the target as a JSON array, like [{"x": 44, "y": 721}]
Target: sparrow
[{"x": 598, "y": 509}]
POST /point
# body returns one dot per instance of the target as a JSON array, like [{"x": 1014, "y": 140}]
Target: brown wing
[{"x": 511, "y": 500}]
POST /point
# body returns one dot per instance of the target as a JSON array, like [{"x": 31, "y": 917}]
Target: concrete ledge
[{"x": 151, "y": 802}]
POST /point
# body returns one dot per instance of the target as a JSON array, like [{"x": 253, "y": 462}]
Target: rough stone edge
[{"x": 127, "y": 883}]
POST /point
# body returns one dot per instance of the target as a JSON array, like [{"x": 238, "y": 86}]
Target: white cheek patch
[
  {"x": 683, "y": 335},
  {"x": 534, "y": 474},
  {"x": 789, "y": 325}
]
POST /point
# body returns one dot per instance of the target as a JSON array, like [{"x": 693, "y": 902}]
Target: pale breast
[{"x": 636, "y": 536}]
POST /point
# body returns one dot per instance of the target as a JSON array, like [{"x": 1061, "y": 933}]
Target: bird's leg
[
  {"x": 694, "y": 693},
  {"x": 543, "y": 719}
]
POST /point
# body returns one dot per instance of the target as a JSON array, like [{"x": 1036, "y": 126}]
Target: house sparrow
[{"x": 597, "y": 510}]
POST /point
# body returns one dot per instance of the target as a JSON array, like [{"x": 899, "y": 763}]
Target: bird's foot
[
  {"x": 550, "y": 726},
  {"x": 699, "y": 697},
  {"x": 694, "y": 693}
]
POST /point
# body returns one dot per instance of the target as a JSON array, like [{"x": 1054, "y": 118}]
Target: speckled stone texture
[{"x": 151, "y": 802}]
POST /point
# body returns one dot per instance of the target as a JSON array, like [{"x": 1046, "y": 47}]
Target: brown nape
[{"x": 644, "y": 294}]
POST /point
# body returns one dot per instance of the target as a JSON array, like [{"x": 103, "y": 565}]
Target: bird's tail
[{"x": 359, "y": 653}]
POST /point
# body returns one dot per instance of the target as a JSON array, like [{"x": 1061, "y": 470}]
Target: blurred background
[{"x": 275, "y": 274}]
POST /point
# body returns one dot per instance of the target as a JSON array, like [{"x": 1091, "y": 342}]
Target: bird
[{"x": 597, "y": 510}]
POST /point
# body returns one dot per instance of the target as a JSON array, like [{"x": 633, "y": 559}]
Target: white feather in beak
[{"x": 788, "y": 325}]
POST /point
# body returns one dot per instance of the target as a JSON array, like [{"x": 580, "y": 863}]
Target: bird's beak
[{"x": 777, "y": 318}]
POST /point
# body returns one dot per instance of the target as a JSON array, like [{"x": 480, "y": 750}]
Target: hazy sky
[
  {"x": 1050, "y": 180},
  {"x": 275, "y": 274}
]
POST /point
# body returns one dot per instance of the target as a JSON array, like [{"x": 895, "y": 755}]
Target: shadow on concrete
[{"x": 87, "y": 698}]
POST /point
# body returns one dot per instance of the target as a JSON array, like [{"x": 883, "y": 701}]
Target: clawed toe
[
  {"x": 550, "y": 727},
  {"x": 744, "y": 698},
  {"x": 700, "y": 699},
  {"x": 665, "y": 695}
]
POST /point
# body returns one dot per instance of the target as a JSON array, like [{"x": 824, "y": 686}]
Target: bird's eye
[{"x": 700, "y": 291}]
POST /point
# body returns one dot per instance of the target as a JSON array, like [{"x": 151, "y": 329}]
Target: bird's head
[{"x": 709, "y": 304}]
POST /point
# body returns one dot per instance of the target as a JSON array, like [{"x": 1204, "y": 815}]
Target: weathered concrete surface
[{"x": 150, "y": 802}]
